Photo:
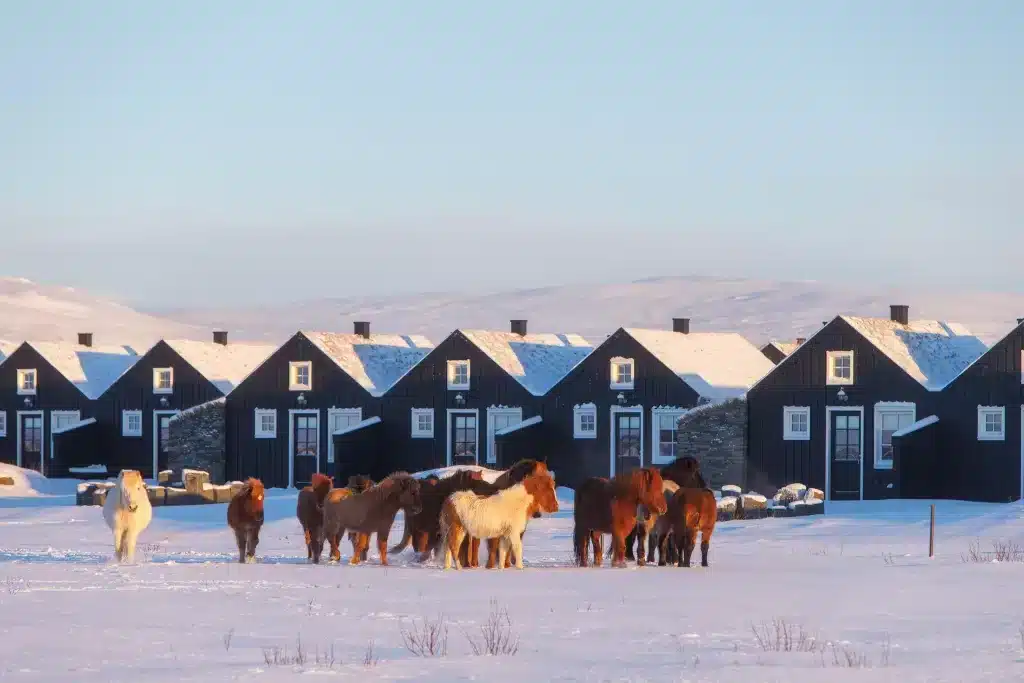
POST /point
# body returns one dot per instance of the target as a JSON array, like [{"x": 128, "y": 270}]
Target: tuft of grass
[
  {"x": 496, "y": 636},
  {"x": 370, "y": 658},
  {"x": 227, "y": 639},
  {"x": 299, "y": 657},
  {"x": 782, "y": 636},
  {"x": 428, "y": 638},
  {"x": 1002, "y": 551}
]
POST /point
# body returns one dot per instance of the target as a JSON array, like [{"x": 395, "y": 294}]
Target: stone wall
[
  {"x": 196, "y": 441},
  {"x": 717, "y": 436}
]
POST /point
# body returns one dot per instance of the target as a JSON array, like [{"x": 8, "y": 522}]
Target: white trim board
[
  {"x": 828, "y": 446},
  {"x": 876, "y": 428},
  {"x": 156, "y": 438},
  {"x": 42, "y": 440},
  {"x": 448, "y": 432},
  {"x": 639, "y": 410},
  {"x": 656, "y": 413},
  {"x": 291, "y": 439}
]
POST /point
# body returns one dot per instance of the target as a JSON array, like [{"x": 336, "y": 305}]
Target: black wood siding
[
  {"x": 921, "y": 463},
  {"x": 773, "y": 354}
]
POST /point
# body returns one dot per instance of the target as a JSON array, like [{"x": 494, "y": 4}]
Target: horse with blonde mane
[{"x": 127, "y": 511}]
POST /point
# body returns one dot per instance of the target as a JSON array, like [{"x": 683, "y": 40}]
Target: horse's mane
[
  {"x": 383, "y": 489},
  {"x": 626, "y": 484},
  {"x": 320, "y": 485}
]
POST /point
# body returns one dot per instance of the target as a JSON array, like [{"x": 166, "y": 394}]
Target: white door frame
[
  {"x": 448, "y": 432},
  {"x": 828, "y": 446},
  {"x": 156, "y": 440},
  {"x": 358, "y": 412},
  {"x": 42, "y": 440},
  {"x": 291, "y": 440},
  {"x": 637, "y": 410},
  {"x": 54, "y": 413},
  {"x": 491, "y": 456}
]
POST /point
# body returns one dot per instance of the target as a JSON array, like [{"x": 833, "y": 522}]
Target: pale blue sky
[{"x": 195, "y": 152}]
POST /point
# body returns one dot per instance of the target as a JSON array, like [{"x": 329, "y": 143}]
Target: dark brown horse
[
  {"x": 423, "y": 529},
  {"x": 691, "y": 510},
  {"x": 310, "y": 511},
  {"x": 370, "y": 512},
  {"x": 610, "y": 507},
  {"x": 245, "y": 517},
  {"x": 683, "y": 471}
]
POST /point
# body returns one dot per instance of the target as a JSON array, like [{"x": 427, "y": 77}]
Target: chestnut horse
[
  {"x": 310, "y": 511},
  {"x": 245, "y": 516},
  {"x": 370, "y": 512},
  {"x": 609, "y": 507},
  {"x": 423, "y": 530},
  {"x": 357, "y": 483},
  {"x": 690, "y": 510},
  {"x": 684, "y": 471},
  {"x": 649, "y": 526}
]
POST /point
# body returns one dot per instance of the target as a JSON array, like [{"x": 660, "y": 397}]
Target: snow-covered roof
[
  {"x": 90, "y": 368},
  {"x": 528, "y": 422},
  {"x": 196, "y": 408},
  {"x": 537, "y": 361},
  {"x": 6, "y": 349},
  {"x": 76, "y": 425},
  {"x": 931, "y": 351},
  {"x": 225, "y": 365},
  {"x": 920, "y": 424},
  {"x": 375, "y": 362},
  {"x": 717, "y": 365},
  {"x": 786, "y": 347},
  {"x": 362, "y": 424}
]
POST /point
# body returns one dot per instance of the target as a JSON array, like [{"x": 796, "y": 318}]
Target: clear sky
[{"x": 194, "y": 152}]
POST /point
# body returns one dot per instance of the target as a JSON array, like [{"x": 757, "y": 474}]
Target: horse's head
[
  {"x": 652, "y": 490},
  {"x": 407, "y": 492},
  {"x": 132, "y": 488},
  {"x": 359, "y": 482},
  {"x": 252, "y": 499},
  {"x": 542, "y": 488}
]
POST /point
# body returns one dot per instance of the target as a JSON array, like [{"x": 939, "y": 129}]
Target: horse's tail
[
  {"x": 578, "y": 532},
  {"x": 406, "y": 538}
]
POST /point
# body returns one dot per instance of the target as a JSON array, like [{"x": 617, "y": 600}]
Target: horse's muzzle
[
  {"x": 133, "y": 508},
  {"x": 537, "y": 514},
  {"x": 259, "y": 518}
]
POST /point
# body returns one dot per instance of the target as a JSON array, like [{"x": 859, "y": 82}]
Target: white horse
[{"x": 127, "y": 512}]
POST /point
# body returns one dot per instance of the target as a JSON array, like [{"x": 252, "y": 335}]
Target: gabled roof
[
  {"x": 1006, "y": 336},
  {"x": 784, "y": 347},
  {"x": 6, "y": 349},
  {"x": 375, "y": 362},
  {"x": 536, "y": 361},
  {"x": 90, "y": 368},
  {"x": 717, "y": 365},
  {"x": 224, "y": 365}
]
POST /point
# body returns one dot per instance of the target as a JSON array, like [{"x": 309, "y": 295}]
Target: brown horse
[
  {"x": 648, "y": 529},
  {"x": 245, "y": 517},
  {"x": 358, "y": 483},
  {"x": 423, "y": 530},
  {"x": 370, "y": 512},
  {"x": 683, "y": 471},
  {"x": 609, "y": 507},
  {"x": 690, "y": 510},
  {"x": 310, "y": 511}
]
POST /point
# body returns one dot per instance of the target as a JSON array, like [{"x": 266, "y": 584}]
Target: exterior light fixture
[{"x": 301, "y": 400}]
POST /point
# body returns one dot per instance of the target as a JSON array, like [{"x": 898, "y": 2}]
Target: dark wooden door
[
  {"x": 846, "y": 438},
  {"x": 463, "y": 439},
  {"x": 304, "y": 440},
  {"x": 626, "y": 437},
  {"x": 32, "y": 442},
  {"x": 163, "y": 430}
]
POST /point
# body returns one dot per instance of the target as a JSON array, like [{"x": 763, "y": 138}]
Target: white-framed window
[
  {"x": 584, "y": 419},
  {"x": 840, "y": 367},
  {"x": 131, "y": 423},
  {"x": 665, "y": 423},
  {"x": 266, "y": 423},
  {"x": 422, "y": 423},
  {"x": 3, "y": 423},
  {"x": 991, "y": 423},
  {"x": 458, "y": 374},
  {"x": 796, "y": 423},
  {"x": 890, "y": 418},
  {"x": 163, "y": 380},
  {"x": 338, "y": 419},
  {"x": 27, "y": 382},
  {"x": 300, "y": 375},
  {"x": 622, "y": 373}
]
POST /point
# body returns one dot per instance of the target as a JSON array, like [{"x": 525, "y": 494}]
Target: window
[
  {"x": 840, "y": 367},
  {"x": 622, "y": 373},
  {"x": 27, "y": 383},
  {"x": 266, "y": 424},
  {"x": 666, "y": 431},
  {"x": 458, "y": 374},
  {"x": 796, "y": 425},
  {"x": 131, "y": 423},
  {"x": 338, "y": 419},
  {"x": 585, "y": 421},
  {"x": 3, "y": 423},
  {"x": 888, "y": 420},
  {"x": 300, "y": 376},
  {"x": 991, "y": 423},
  {"x": 422, "y": 423},
  {"x": 163, "y": 380}
]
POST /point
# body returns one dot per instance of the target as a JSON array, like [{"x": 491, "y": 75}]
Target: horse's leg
[
  {"x": 663, "y": 549},
  {"x": 118, "y": 540},
  {"x": 680, "y": 540},
  {"x": 334, "y": 540},
  {"x": 628, "y": 544},
  {"x": 128, "y": 545},
  {"x": 474, "y": 552},
  {"x": 357, "y": 548},
  {"x": 503, "y": 547},
  {"x": 690, "y": 541},
  {"x": 516, "y": 547},
  {"x": 317, "y": 544},
  {"x": 493, "y": 545},
  {"x": 597, "y": 540},
  {"x": 582, "y": 540},
  {"x": 309, "y": 542},
  {"x": 382, "y": 547},
  {"x": 705, "y": 546},
  {"x": 620, "y": 549},
  {"x": 241, "y": 541},
  {"x": 641, "y": 542},
  {"x": 253, "y": 540},
  {"x": 455, "y": 537}
]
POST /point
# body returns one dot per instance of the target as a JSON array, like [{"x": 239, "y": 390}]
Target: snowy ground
[{"x": 858, "y": 579}]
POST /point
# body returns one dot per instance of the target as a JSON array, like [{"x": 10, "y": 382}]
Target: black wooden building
[
  {"x": 825, "y": 416},
  {"x": 775, "y": 351},
  {"x": 618, "y": 409},
  {"x": 281, "y": 419}
]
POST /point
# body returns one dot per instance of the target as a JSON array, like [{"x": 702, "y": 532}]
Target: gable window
[
  {"x": 422, "y": 423},
  {"x": 300, "y": 376},
  {"x": 458, "y": 374},
  {"x": 27, "y": 383},
  {"x": 163, "y": 380},
  {"x": 3, "y": 423},
  {"x": 266, "y": 423},
  {"x": 796, "y": 424},
  {"x": 890, "y": 419},
  {"x": 666, "y": 432},
  {"x": 991, "y": 423},
  {"x": 840, "y": 367},
  {"x": 131, "y": 423},
  {"x": 585, "y": 421},
  {"x": 622, "y": 374}
]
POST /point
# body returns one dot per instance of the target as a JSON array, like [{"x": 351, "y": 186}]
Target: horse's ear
[{"x": 648, "y": 478}]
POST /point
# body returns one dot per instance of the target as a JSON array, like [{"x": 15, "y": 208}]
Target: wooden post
[{"x": 931, "y": 535}]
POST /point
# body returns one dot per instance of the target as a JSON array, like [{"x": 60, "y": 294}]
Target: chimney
[
  {"x": 800, "y": 340},
  {"x": 681, "y": 325},
  {"x": 1020, "y": 320},
  {"x": 362, "y": 329},
  {"x": 85, "y": 338},
  {"x": 899, "y": 314},
  {"x": 519, "y": 327},
  {"x": 220, "y": 337}
]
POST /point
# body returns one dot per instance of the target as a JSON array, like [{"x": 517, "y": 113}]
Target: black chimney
[
  {"x": 362, "y": 329},
  {"x": 519, "y": 327},
  {"x": 899, "y": 314},
  {"x": 681, "y": 325},
  {"x": 221, "y": 338},
  {"x": 85, "y": 338}
]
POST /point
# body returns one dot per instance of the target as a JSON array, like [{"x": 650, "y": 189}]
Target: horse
[
  {"x": 532, "y": 512},
  {"x": 690, "y": 510},
  {"x": 502, "y": 515},
  {"x": 370, "y": 512},
  {"x": 683, "y": 471},
  {"x": 358, "y": 483},
  {"x": 423, "y": 529},
  {"x": 310, "y": 511},
  {"x": 245, "y": 517},
  {"x": 603, "y": 506},
  {"x": 127, "y": 511},
  {"x": 649, "y": 528}
]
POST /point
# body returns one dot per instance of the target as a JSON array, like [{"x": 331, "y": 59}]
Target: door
[
  {"x": 306, "y": 446},
  {"x": 846, "y": 439},
  {"x": 163, "y": 430},
  {"x": 32, "y": 442},
  {"x": 496, "y": 421},
  {"x": 462, "y": 439},
  {"x": 626, "y": 441}
]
